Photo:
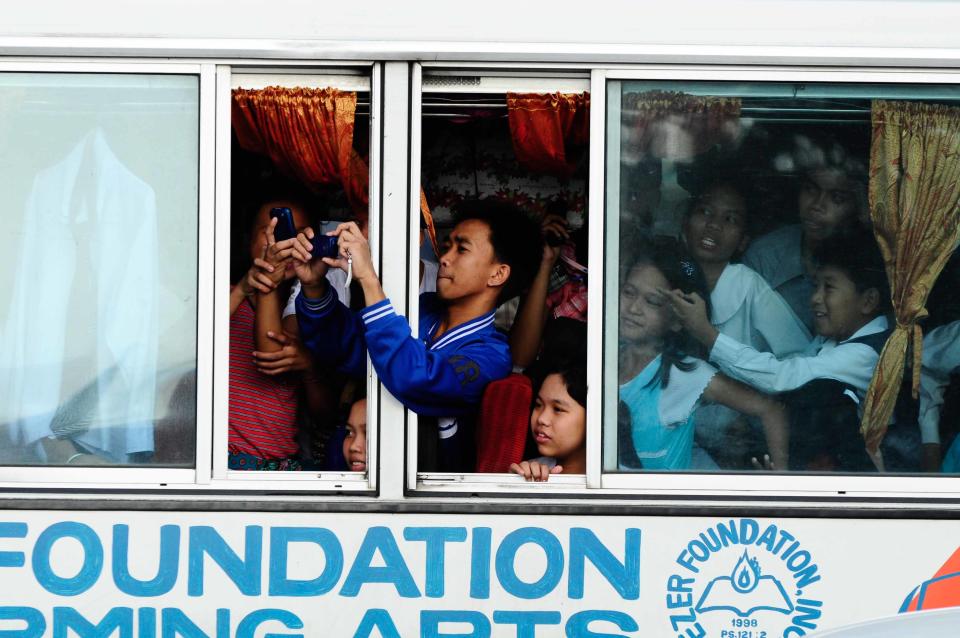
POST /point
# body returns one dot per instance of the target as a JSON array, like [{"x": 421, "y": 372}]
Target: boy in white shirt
[{"x": 848, "y": 304}]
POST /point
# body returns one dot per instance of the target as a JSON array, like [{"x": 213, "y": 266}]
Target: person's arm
[
  {"x": 772, "y": 414},
  {"x": 294, "y": 357},
  {"x": 851, "y": 363},
  {"x": 269, "y": 308},
  {"x": 237, "y": 295},
  {"x": 329, "y": 330},
  {"x": 534, "y": 470},
  {"x": 691, "y": 310},
  {"x": 291, "y": 355},
  {"x": 355, "y": 257},
  {"x": 267, "y": 321},
  {"x": 256, "y": 279},
  {"x": 526, "y": 333},
  {"x": 332, "y": 333},
  {"x": 431, "y": 382}
]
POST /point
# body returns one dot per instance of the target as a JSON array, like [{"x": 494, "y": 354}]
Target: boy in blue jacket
[{"x": 492, "y": 254}]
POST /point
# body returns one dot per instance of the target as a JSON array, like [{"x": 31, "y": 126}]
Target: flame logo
[
  {"x": 745, "y": 591},
  {"x": 746, "y": 574}
]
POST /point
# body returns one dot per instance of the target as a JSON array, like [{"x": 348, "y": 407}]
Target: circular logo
[{"x": 743, "y": 579}]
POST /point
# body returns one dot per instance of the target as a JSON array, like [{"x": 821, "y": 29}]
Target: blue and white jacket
[{"x": 440, "y": 377}]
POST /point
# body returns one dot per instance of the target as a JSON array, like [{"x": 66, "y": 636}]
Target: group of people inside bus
[{"x": 733, "y": 351}]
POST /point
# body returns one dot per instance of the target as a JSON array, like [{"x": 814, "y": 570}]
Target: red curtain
[
  {"x": 308, "y": 133},
  {"x": 549, "y": 130}
]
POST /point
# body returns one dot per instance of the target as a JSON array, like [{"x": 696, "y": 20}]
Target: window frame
[
  {"x": 100, "y": 477},
  {"x": 761, "y": 486},
  {"x": 503, "y": 77},
  {"x": 391, "y": 116},
  {"x": 208, "y": 472},
  {"x": 356, "y": 75}
]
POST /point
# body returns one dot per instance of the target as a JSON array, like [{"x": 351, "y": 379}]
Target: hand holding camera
[
  {"x": 555, "y": 235},
  {"x": 354, "y": 252},
  {"x": 274, "y": 263},
  {"x": 345, "y": 247},
  {"x": 303, "y": 248},
  {"x": 321, "y": 245}
]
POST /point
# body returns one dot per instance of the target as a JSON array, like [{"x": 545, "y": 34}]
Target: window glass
[
  {"x": 748, "y": 301},
  {"x": 508, "y": 156},
  {"x": 99, "y": 181},
  {"x": 297, "y": 379}
]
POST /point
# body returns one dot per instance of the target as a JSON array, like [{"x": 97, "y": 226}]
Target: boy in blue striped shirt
[{"x": 491, "y": 256}]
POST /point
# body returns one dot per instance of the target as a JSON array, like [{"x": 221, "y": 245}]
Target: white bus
[{"x": 138, "y": 141}]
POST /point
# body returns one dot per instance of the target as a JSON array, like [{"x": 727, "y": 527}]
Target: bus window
[
  {"x": 751, "y": 301},
  {"x": 297, "y": 384},
  {"x": 100, "y": 186},
  {"x": 514, "y": 146}
]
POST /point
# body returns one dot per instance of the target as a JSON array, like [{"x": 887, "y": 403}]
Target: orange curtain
[
  {"x": 676, "y": 126},
  {"x": 308, "y": 133},
  {"x": 428, "y": 222},
  {"x": 548, "y": 129},
  {"x": 915, "y": 207}
]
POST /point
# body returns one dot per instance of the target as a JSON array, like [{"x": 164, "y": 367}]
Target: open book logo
[
  {"x": 745, "y": 591},
  {"x": 743, "y": 578}
]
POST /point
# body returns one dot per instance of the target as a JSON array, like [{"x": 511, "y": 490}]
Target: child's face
[
  {"x": 645, "y": 314},
  {"x": 468, "y": 262},
  {"x": 827, "y": 202},
  {"x": 258, "y": 239},
  {"x": 558, "y": 422},
  {"x": 355, "y": 444},
  {"x": 714, "y": 228},
  {"x": 838, "y": 309}
]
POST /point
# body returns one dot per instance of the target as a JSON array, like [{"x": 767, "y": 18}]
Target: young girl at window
[
  {"x": 355, "y": 441},
  {"x": 558, "y": 421},
  {"x": 264, "y": 389},
  {"x": 660, "y": 384},
  {"x": 743, "y": 306}
]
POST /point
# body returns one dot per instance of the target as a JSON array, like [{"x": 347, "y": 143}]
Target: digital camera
[{"x": 323, "y": 245}]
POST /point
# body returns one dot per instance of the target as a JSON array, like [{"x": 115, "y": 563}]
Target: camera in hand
[
  {"x": 553, "y": 239},
  {"x": 323, "y": 246},
  {"x": 285, "y": 228}
]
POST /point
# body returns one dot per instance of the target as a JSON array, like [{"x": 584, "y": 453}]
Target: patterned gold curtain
[
  {"x": 677, "y": 126},
  {"x": 915, "y": 208}
]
